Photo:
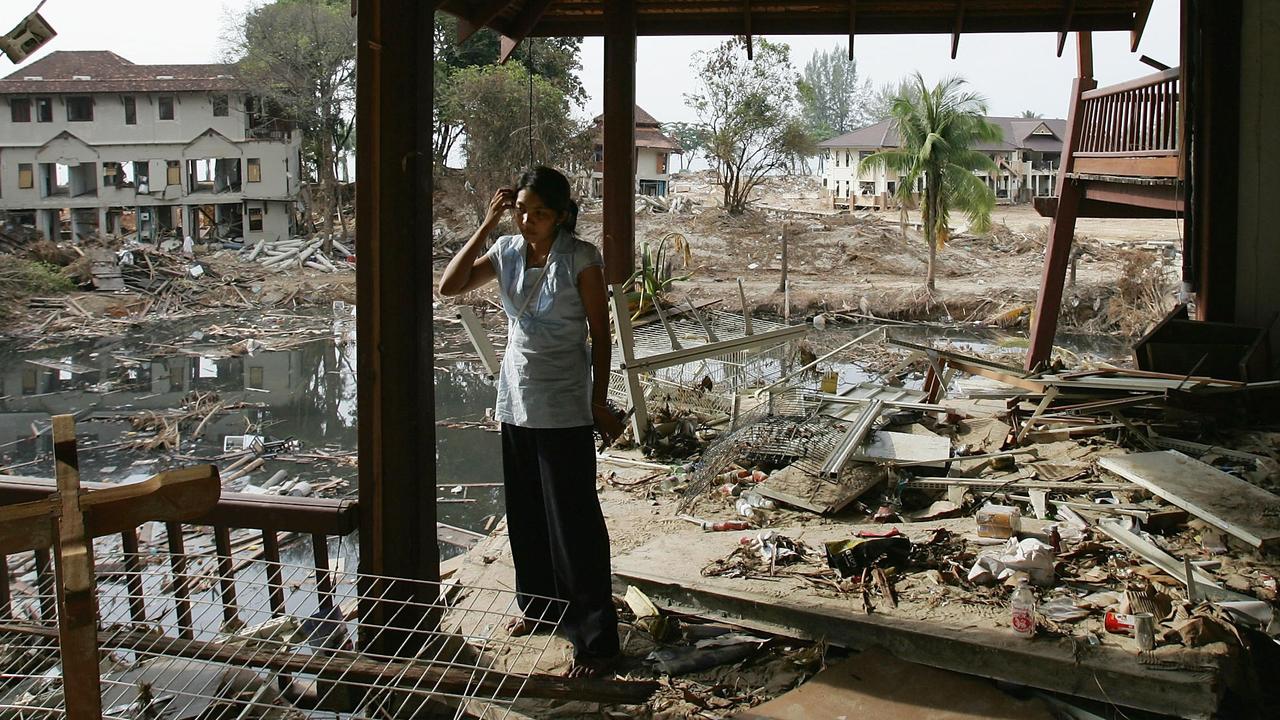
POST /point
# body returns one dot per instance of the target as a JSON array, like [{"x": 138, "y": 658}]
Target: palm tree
[
  {"x": 1030, "y": 115},
  {"x": 937, "y": 129}
]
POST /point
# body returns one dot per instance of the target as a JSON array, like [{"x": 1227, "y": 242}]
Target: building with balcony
[
  {"x": 93, "y": 143},
  {"x": 653, "y": 156},
  {"x": 1027, "y": 157}
]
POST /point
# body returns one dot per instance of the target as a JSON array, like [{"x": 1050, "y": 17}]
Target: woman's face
[{"x": 536, "y": 221}]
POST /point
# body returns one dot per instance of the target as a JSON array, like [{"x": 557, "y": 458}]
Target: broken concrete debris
[{"x": 996, "y": 479}]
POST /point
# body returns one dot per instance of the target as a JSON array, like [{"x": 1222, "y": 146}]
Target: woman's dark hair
[{"x": 553, "y": 188}]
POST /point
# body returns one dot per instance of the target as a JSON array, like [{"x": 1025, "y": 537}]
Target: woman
[{"x": 551, "y": 392}]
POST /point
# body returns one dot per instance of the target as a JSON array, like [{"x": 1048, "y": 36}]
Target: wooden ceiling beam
[
  {"x": 955, "y": 34},
  {"x": 482, "y": 14},
  {"x": 746, "y": 11},
  {"x": 521, "y": 27},
  {"x": 853, "y": 23},
  {"x": 1139, "y": 24},
  {"x": 1068, "y": 13}
]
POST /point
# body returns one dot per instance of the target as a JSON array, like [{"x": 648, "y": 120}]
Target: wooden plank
[
  {"x": 798, "y": 488},
  {"x": 668, "y": 570},
  {"x": 1224, "y": 501},
  {"x": 77, "y": 599},
  {"x": 1130, "y": 166}
]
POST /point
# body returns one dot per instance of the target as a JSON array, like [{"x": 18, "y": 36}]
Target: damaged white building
[{"x": 93, "y": 143}]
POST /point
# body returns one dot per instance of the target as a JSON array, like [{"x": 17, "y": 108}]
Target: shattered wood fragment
[{"x": 1239, "y": 508}]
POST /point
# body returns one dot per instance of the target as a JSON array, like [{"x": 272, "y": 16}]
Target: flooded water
[{"x": 304, "y": 393}]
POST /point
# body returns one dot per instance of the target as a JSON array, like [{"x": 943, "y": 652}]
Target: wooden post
[
  {"x": 619, "y": 140},
  {"x": 619, "y": 186},
  {"x": 395, "y": 384},
  {"x": 73, "y": 565},
  {"x": 1063, "y": 226},
  {"x": 1211, "y": 120}
]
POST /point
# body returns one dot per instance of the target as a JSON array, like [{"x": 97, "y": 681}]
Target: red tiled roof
[
  {"x": 648, "y": 134},
  {"x": 64, "y": 72}
]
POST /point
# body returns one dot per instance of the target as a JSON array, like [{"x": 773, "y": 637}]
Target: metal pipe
[{"x": 858, "y": 431}]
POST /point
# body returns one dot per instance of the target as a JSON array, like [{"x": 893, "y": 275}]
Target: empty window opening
[
  {"x": 165, "y": 105},
  {"x": 141, "y": 172},
  {"x": 255, "y": 378},
  {"x": 253, "y": 171},
  {"x": 80, "y": 109},
  {"x": 111, "y": 175},
  {"x": 20, "y": 110},
  {"x": 173, "y": 175},
  {"x": 208, "y": 368},
  {"x": 221, "y": 106},
  {"x": 255, "y": 219},
  {"x": 125, "y": 175},
  {"x": 44, "y": 109},
  {"x": 56, "y": 179},
  {"x": 130, "y": 110},
  {"x": 213, "y": 175},
  {"x": 26, "y": 176}
]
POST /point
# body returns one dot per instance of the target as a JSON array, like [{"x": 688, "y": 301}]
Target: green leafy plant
[{"x": 655, "y": 276}]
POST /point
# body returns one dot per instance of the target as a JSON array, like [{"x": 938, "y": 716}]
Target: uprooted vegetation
[{"x": 21, "y": 278}]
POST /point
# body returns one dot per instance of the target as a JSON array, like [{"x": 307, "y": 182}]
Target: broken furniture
[{"x": 731, "y": 352}]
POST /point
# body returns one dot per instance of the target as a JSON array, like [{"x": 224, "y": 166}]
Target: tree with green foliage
[
  {"x": 879, "y": 103},
  {"x": 748, "y": 108},
  {"x": 692, "y": 138},
  {"x": 1031, "y": 115},
  {"x": 833, "y": 98},
  {"x": 554, "y": 59},
  {"x": 298, "y": 57},
  {"x": 491, "y": 105},
  {"x": 937, "y": 128}
]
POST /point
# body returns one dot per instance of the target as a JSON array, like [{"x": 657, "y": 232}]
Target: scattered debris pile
[
  {"x": 1133, "y": 506},
  {"x": 282, "y": 255}
]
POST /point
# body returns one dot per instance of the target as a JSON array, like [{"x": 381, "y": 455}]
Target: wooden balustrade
[
  {"x": 272, "y": 516},
  {"x": 1131, "y": 129}
]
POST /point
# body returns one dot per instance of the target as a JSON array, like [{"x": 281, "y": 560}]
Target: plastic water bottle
[{"x": 1022, "y": 610}]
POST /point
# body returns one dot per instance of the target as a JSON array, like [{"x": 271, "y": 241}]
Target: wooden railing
[
  {"x": 1131, "y": 129},
  {"x": 273, "y": 517}
]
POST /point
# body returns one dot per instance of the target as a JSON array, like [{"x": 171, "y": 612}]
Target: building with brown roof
[
  {"x": 653, "y": 156},
  {"x": 94, "y": 143},
  {"x": 1027, "y": 156}
]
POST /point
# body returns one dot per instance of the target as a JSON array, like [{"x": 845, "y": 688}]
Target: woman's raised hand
[{"x": 503, "y": 200}]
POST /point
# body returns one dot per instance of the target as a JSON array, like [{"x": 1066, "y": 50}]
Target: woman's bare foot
[
  {"x": 588, "y": 667},
  {"x": 519, "y": 626}
]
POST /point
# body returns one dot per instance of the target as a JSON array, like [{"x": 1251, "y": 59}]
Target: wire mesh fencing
[{"x": 183, "y": 637}]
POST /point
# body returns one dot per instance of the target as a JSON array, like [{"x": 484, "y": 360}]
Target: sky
[{"x": 1014, "y": 72}]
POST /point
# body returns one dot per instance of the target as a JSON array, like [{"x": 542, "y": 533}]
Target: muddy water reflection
[{"x": 306, "y": 393}]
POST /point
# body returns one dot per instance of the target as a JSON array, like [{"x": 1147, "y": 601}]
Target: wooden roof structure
[{"x": 518, "y": 19}]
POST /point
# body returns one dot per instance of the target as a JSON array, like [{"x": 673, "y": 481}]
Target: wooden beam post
[
  {"x": 1063, "y": 226},
  {"x": 619, "y": 186},
  {"x": 73, "y": 565},
  {"x": 619, "y": 141},
  {"x": 853, "y": 24},
  {"x": 1211, "y": 121},
  {"x": 395, "y": 384},
  {"x": 959, "y": 28}
]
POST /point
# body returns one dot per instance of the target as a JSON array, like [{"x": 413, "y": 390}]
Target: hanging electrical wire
[{"x": 529, "y": 55}]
